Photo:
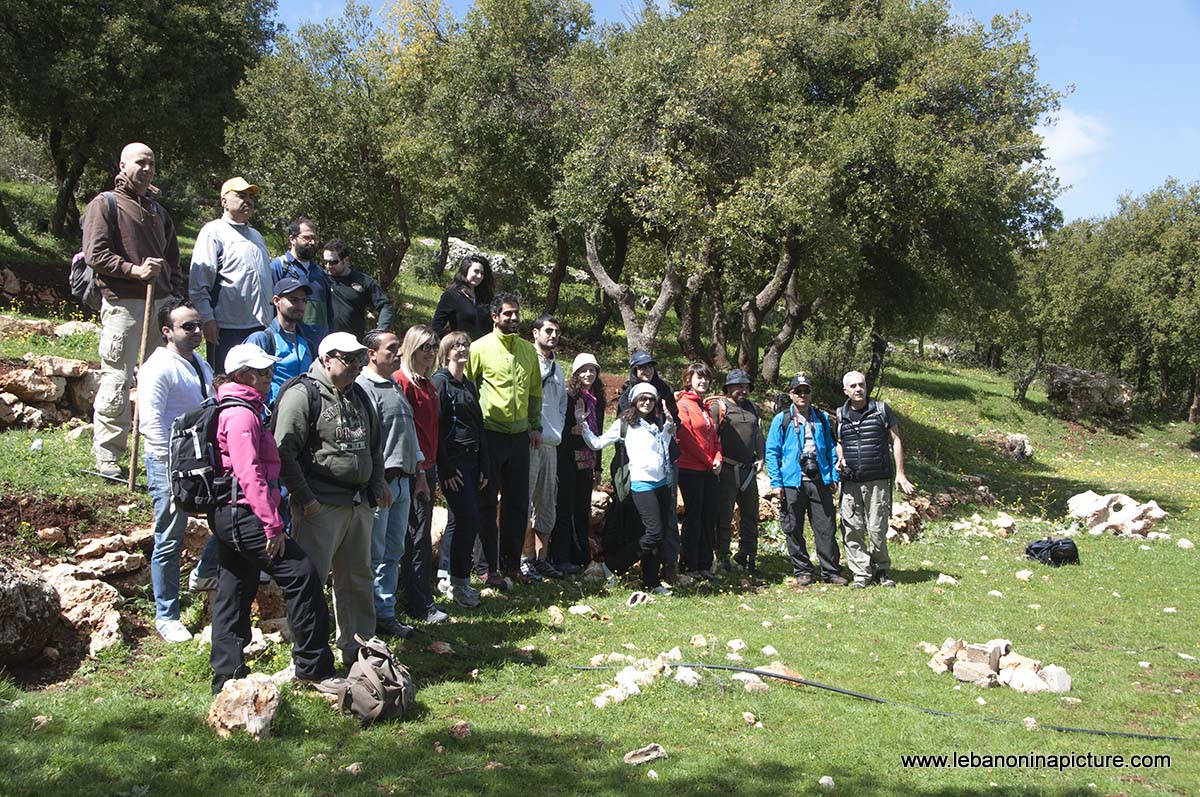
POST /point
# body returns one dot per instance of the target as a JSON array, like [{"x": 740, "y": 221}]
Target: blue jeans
[
  {"x": 169, "y": 528},
  {"x": 387, "y": 546}
]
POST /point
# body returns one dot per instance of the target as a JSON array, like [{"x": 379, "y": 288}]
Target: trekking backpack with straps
[
  {"x": 378, "y": 686},
  {"x": 82, "y": 279},
  {"x": 198, "y": 482}
]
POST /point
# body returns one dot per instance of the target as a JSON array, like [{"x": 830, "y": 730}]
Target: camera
[{"x": 810, "y": 467}]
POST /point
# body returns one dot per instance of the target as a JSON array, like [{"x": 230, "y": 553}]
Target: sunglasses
[
  {"x": 357, "y": 358},
  {"x": 645, "y": 398},
  {"x": 190, "y": 326},
  {"x": 333, "y": 262},
  {"x": 801, "y": 391},
  {"x": 430, "y": 346}
]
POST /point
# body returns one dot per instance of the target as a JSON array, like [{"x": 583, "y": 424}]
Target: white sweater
[
  {"x": 167, "y": 388},
  {"x": 647, "y": 446}
]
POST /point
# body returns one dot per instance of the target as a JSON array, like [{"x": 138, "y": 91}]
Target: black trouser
[
  {"x": 416, "y": 566},
  {"x": 815, "y": 500},
  {"x": 655, "y": 510},
  {"x": 508, "y": 488},
  {"x": 462, "y": 522},
  {"x": 573, "y": 513},
  {"x": 732, "y": 477},
  {"x": 699, "y": 528},
  {"x": 242, "y": 553}
]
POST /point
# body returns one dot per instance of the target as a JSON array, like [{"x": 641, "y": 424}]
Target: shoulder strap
[
  {"x": 192, "y": 361},
  {"x": 624, "y": 428}
]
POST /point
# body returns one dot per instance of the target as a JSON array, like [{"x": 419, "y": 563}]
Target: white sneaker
[
  {"x": 173, "y": 631},
  {"x": 198, "y": 584},
  {"x": 662, "y": 589}
]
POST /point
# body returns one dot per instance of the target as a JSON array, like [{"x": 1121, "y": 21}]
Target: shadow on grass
[{"x": 933, "y": 388}]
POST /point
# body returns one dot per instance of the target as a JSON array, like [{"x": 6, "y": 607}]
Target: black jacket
[
  {"x": 353, "y": 293},
  {"x": 456, "y": 312}
]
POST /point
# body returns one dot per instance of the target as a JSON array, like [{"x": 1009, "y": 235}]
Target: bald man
[{"x": 129, "y": 241}]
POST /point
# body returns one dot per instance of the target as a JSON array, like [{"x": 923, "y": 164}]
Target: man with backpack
[
  {"x": 294, "y": 343},
  {"x": 170, "y": 382},
  {"x": 332, "y": 463},
  {"x": 801, "y": 463},
  {"x": 128, "y": 242},
  {"x": 300, "y": 263},
  {"x": 867, "y": 441},
  {"x": 739, "y": 429}
]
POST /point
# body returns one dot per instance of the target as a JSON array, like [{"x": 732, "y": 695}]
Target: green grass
[
  {"x": 133, "y": 721},
  {"x": 30, "y": 205}
]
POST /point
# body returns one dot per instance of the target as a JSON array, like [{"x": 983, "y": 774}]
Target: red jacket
[
  {"x": 423, "y": 396},
  {"x": 699, "y": 447}
]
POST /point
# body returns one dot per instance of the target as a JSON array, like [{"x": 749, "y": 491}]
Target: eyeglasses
[
  {"x": 190, "y": 326},
  {"x": 430, "y": 346},
  {"x": 462, "y": 344},
  {"x": 357, "y": 358},
  {"x": 334, "y": 262},
  {"x": 644, "y": 398},
  {"x": 299, "y": 297},
  {"x": 801, "y": 391},
  {"x": 265, "y": 373}
]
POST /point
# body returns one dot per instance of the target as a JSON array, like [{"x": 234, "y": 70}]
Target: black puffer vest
[{"x": 865, "y": 444}]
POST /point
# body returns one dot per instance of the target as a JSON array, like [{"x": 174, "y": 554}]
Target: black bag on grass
[{"x": 1053, "y": 552}]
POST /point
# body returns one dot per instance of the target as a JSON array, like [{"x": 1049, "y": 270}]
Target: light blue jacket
[{"x": 784, "y": 444}]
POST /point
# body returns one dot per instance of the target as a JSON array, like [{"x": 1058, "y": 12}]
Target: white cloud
[{"x": 1074, "y": 143}]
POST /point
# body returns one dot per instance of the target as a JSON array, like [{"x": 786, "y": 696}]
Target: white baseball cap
[
  {"x": 247, "y": 355},
  {"x": 339, "y": 341}
]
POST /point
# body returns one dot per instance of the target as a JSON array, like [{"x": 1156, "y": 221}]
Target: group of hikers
[{"x": 337, "y": 432}]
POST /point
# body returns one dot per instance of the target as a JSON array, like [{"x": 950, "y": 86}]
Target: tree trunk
[
  {"x": 755, "y": 308},
  {"x": 636, "y": 337},
  {"x": 797, "y": 313},
  {"x": 921, "y": 346},
  {"x": 620, "y": 242},
  {"x": 1024, "y": 380},
  {"x": 995, "y": 357},
  {"x": 1164, "y": 386},
  {"x": 443, "y": 255},
  {"x": 687, "y": 307},
  {"x": 878, "y": 350},
  {"x": 718, "y": 351},
  {"x": 394, "y": 247},
  {"x": 562, "y": 254},
  {"x": 1194, "y": 408},
  {"x": 69, "y": 163}
]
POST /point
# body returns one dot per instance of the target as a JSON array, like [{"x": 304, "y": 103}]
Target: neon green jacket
[{"x": 505, "y": 369}]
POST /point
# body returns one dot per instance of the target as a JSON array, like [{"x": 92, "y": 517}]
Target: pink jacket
[{"x": 248, "y": 449}]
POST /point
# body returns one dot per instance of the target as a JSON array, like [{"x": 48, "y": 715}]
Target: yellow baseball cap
[{"x": 238, "y": 184}]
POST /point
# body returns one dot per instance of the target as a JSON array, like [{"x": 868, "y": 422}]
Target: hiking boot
[
  {"x": 462, "y": 593},
  {"x": 663, "y": 590},
  {"x": 804, "y": 580},
  {"x": 496, "y": 581},
  {"x": 199, "y": 583},
  {"x": 390, "y": 626},
  {"x": 436, "y": 616},
  {"x": 109, "y": 469},
  {"x": 529, "y": 572},
  {"x": 837, "y": 581},
  {"x": 173, "y": 631},
  {"x": 546, "y": 570},
  {"x": 860, "y": 584},
  {"x": 884, "y": 579},
  {"x": 329, "y": 687}
]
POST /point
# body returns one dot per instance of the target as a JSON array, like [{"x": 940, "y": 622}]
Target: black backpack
[
  {"x": 198, "y": 483},
  {"x": 1053, "y": 552}
]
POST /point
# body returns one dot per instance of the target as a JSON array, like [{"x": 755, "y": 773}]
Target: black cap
[
  {"x": 738, "y": 377},
  {"x": 641, "y": 357},
  {"x": 288, "y": 284},
  {"x": 798, "y": 380}
]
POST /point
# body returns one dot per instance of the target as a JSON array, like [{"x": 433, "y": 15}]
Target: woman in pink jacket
[
  {"x": 250, "y": 536},
  {"x": 699, "y": 466}
]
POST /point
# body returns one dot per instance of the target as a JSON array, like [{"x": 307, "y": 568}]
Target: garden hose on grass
[{"x": 873, "y": 699}]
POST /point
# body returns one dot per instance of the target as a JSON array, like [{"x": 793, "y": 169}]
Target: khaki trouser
[
  {"x": 120, "y": 338},
  {"x": 543, "y": 500},
  {"x": 339, "y": 539},
  {"x": 865, "y": 508}
]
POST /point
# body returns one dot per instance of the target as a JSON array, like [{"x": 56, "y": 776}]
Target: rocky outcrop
[
  {"x": 48, "y": 390},
  {"x": 28, "y": 610},
  {"x": 1088, "y": 393},
  {"x": 1116, "y": 513},
  {"x": 89, "y": 604}
]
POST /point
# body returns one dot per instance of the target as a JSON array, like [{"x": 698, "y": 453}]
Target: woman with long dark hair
[
  {"x": 464, "y": 306},
  {"x": 699, "y": 466},
  {"x": 578, "y": 468},
  {"x": 647, "y": 444}
]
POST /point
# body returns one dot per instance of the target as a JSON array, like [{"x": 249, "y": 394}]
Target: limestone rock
[
  {"x": 981, "y": 675},
  {"x": 249, "y": 703},
  {"x": 52, "y": 535},
  {"x": 988, "y": 655},
  {"x": 90, "y": 605},
  {"x": 138, "y": 538},
  {"x": 81, "y": 392},
  {"x": 29, "y": 608},
  {"x": 687, "y": 676},
  {"x": 1014, "y": 660},
  {"x": 57, "y": 366},
  {"x": 645, "y": 754},
  {"x": 11, "y": 326},
  {"x": 113, "y": 563},
  {"x": 1025, "y": 679},
  {"x": 1056, "y": 678},
  {"x": 905, "y": 521},
  {"x": 1114, "y": 512},
  {"x": 30, "y": 385},
  {"x": 1080, "y": 392},
  {"x": 78, "y": 433},
  {"x": 69, "y": 328}
]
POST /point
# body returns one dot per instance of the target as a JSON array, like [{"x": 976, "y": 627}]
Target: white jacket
[{"x": 647, "y": 446}]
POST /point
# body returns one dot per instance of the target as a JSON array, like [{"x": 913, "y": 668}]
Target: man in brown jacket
[{"x": 129, "y": 241}]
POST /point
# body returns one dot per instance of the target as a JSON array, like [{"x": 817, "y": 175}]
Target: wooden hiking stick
[{"x": 133, "y": 429}]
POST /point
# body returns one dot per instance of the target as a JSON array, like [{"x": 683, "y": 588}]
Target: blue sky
[{"x": 1132, "y": 120}]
